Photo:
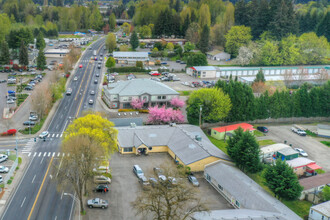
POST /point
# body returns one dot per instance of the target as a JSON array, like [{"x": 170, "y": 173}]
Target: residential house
[
  {"x": 130, "y": 57},
  {"x": 271, "y": 151},
  {"x": 202, "y": 71},
  {"x": 218, "y": 55},
  {"x": 320, "y": 211},
  {"x": 323, "y": 130},
  {"x": 301, "y": 165},
  {"x": 186, "y": 144},
  {"x": 120, "y": 94},
  {"x": 313, "y": 186},
  {"x": 287, "y": 154},
  {"x": 243, "y": 193},
  {"x": 220, "y": 132}
]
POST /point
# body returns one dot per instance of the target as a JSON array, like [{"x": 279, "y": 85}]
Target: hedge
[{"x": 127, "y": 69}]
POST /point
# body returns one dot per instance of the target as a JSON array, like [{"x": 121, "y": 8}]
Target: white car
[
  {"x": 3, "y": 158},
  {"x": 301, "y": 152},
  {"x": 43, "y": 134},
  {"x": 92, "y": 92},
  {"x": 4, "y": 169},
  {"x": 33, "y": 117},
  {"x": 10, "y": 101},
  {"x": 91, "y": 102},
  {"x": 75, "y": 78}
]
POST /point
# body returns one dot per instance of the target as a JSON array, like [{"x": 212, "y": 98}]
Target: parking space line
[{"x": 23, "y": 202}]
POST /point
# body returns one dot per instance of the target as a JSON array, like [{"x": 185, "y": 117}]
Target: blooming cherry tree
[
  {"x": 137, "y": 103},
  {"x": 177, "y": 103},
  {"x": 164, "y": 116}
]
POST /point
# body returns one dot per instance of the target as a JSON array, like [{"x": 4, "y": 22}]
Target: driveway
[
  {"x": 125, "y": 187},
  {"x": 316, "y": 150}
]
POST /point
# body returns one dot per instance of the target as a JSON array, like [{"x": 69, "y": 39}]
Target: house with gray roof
[
  {"x": 121, "y": 94},
  {"x": 186, "y": 144},
  {"x": 202, "y": 71},
  {"x": 130, "y": 57},
  {"x": 320, "y": 211},
  {"x": 243, "y": 193},
  {"x": 218, "y": 55}
]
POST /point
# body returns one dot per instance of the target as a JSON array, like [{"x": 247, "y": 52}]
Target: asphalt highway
[{"x": 37, "y": 195}]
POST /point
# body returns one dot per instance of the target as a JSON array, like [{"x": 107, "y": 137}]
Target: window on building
[
  {"x": 214, "y": 132},
  {"x": 208, "y": 177},
  {"x": 311, "y": 211},
  {"x": 145, "y": 98},
  {"x": 128, "y": 149},
  {"x": 220, "y": 187},
  {"x": 129, "y": 98},
  {"x": 163, "y": 97},
  {"x": 237, "y": 203},
  {"x": 159, "y": 97}
]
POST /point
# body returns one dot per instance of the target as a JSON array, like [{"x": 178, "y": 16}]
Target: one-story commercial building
[
  {"x": 186, "y": 144},
  {"x": 287, "y": 154},
  {"x": 202, "y": 71},
  {"x": 301, "y": 165},
  {"x": 323, "y": 130},
  {"x": 271, "y": 150},
  {"x": 220, "y": 132},
  {"x": 313, "y": 186},
  {"x": 130, "y": 57},
  {"x": 53, "y": 53},
  {"x": 244, "y": 194}
]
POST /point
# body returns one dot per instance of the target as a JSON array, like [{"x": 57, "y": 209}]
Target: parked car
[
  {"x": 144, "y": 182},
  {"x": 43, "y": 134},
  {"x": 172, "y": 180},
  {"x": 263, "y": 129},
  {"x": 154, "y": 73},
  {"x": 301, "y": 152},
  {"x": 153, "y": 181},
  {"x": 178, "y": 61},
  {"x": 182, "y": 62},
  {"x": 138, "y": 171},
  {"x": 97, "y": 203},
  {"x": 3, "y": 81},
  {"x": 193, "y": 180},
  {"x": 102, "y": 180},
  {"x": 298, "y": 131},
  {"x": 33, "y": 117},
  {"x": 155, "y": 79},
  {"x": 160, "y": 174},
  {"x": 29, "y": 123},
  {"x": 101, "y": 188},
  {"x": 4, "y": 169},
  {"x": 1, "y": 179},
  {"x": 195, "y": 84},
  {"x": 10, "y": 101},
  {"x": 102, "y": 169},
  {"x": 29, "y": 88},
  {"x": 3, "y": 158}
]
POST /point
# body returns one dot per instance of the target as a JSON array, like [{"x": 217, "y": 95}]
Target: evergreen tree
[
  {"x": 4, "y": 53},
  {"x": 112, "y": 21},
  {"x": 23, "y": 54},
  {"x": 240, "y": 13},
  {"x": 323, "y": 28},
  {"x": 305, "y": 101},
  {"x": 134, "y": 41},
  {"x": 40, "y": 44},
  {"x": 204, "y": 39},
  {"x": 244, "y": 150},
  {"x": 193, "y": 17},
  {"x": 41, "y": 60},
  {"x": 177, "y": 6},
  {"x": 282, "y": 181},
  {"x": 185, "y": 25},
  {"x": 198, "y": 59},
  {"x": 261, "y": 21},
  {"x": 260, "y": 77}
]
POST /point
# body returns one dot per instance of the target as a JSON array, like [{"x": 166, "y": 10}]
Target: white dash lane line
[
  {"x": 23, "y": 202},
  {"x": 42, "y": 160},
  {"x": 33, "y": 178}
]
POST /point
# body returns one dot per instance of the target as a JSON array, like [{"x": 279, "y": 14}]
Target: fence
[
  {"x": 271, "y": 120},
  {"x": 11, "y": 171}
]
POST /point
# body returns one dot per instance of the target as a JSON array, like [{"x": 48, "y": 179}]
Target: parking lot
[
  {"x": 316, "y": 151},
  {"x": 125, "y": 187},
  {"x": 7, "y": 163}
]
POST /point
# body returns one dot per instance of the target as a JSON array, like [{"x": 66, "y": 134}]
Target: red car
[
  {"x": 155, "y": 74},
  {"x": 80, "y": 66}
]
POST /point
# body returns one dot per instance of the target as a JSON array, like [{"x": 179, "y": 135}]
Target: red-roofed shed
[{"x": 219, "y": 132}]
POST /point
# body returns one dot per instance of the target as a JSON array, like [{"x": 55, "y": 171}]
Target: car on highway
[
  {"x": 97, "y": 75},
  {"x": 75, "y": 78},
  {"x": 263, "y": 129},
  {"x": 193, "y": 180},
  {"x": 33, "y": 117},
  {"x": 3, "y": 158},
  {"x": 69, "y": 91},
  {"x": 91, "y": 102},
  {"x": 92, "y": 92},
  {"x": 80, "y": 66},
  {"x": 10, "y": 101},
  {"x": 301, "y": 152},
  {"x": 101, "y": 188},
  {"x": 29, "y": 123},
  {"x": 43, "y": 134},
  {"x": 97, "y": 203},
  {"x": 4, "y": 169},
  {"x": 95, "y": 81}
]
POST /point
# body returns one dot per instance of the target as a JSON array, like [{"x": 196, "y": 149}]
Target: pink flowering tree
[
  {"x": 137, "y": 103},
  {"x": 177, "y": 103},
  {"x": 164, "y": 115}
]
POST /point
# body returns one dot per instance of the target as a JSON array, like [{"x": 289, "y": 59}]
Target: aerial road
[{"x": 37, "y": 195}]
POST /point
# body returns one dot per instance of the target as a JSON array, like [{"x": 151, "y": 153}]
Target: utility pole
[{"x": 200, "y": 116}]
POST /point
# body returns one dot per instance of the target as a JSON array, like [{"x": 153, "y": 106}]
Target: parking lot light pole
[{"x": 74, "y": 198}]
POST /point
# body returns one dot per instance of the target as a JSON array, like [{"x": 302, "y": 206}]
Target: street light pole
[{"x": 74, "y": 198}]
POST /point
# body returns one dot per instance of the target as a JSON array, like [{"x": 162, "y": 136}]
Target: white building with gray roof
[
  {"x": 130, "y": 57},
  {"x": 121, "y": 94},
  {"x": 243, "y": 193},
  {"x": 187, "y": 144}
]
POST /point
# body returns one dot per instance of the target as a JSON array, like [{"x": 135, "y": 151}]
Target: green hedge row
[{"x": 127, "y": 69}]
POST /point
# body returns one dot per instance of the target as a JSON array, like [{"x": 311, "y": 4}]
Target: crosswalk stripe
[
  {"x": 57, "y": 135},
  {"x": 48, "y": 135},
  {"x": 58, "y": 154},
  {"x": 49, "y": 154},
  {"x": 39, "y": 154},
  {"x": 29, "y": 154},
  {"x": 53, "y": 135},
  {"x": 61, "y": 135},
  {"x": 35, "y": 153},
  {"x": 45, "y": 153},
  {"x": 63, "y": 154},
  {"x": 53, "y": 154}
]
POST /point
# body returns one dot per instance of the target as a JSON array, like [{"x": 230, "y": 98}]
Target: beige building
[{"x": 202, "y": 72}]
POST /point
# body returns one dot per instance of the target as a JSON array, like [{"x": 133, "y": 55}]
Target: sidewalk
[{"x": 7, "y": 193}]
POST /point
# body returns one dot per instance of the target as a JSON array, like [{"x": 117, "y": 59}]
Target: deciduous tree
[
  {"x": 189, "y": 46},
  {"x": 137, "y": 103},
  {"x": 111, "y": 42},
  {"x": 41, "y": 99},
  {"x": 112, "y": 21},
  {"x": 282, "y": 181},
  {"x": 177, "y": 103},
  {"x": 198, "y": 59},
  {"x": 163, "y": 115},
  {"x": 237, "y": 37},
  {"x": 4, "y": 26},
  {"x": 110, "y": 62}
]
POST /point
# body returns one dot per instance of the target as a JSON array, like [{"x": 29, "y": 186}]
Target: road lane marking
[
  {"x": 58, "y": 154},
  {"x": 53, "y": 154},
  {"x": 42, "y": 184},
  {"x": 49, "y": 154},
  {"x": 55, "y": 218},
  {"x": 23, "y": 202},
  {"x": 57, "y": 126},
  {"x": 42, "y": 160},
  {"x": 35, "y": 153},
  {"x": 33, "y": 178},
  {"x": 29, "y": 154},
  {"x": 62, "y": 194},
  {"x": 39, "y": 154},
  {"x": 61, "y": 116}
]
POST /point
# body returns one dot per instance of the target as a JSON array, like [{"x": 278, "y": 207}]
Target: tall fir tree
[
  {"x": 260, "y": 77},
  {"x": 261, "y": 21},
  {"x": 185, "y": 25},
  {"x": 204, "y": 39},
  {"x": 23, "y": 55},
  {"x": 4, "y": 53},
  {"x": 41, "y": 60},
  {"x": 240, "y": 12},
  {"x": 134, "y": 41},
  {"x": 40, "y": 44},
  {"x": 323, "y": 28}
]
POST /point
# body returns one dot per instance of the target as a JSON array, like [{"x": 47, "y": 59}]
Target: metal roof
[
  {"x": 137, "y": 87},
  {"x": 247, "y": 192},
  {"x": 298, "y": 162},
  {"x": 315, "y": 181},
  {"x": 322, "y": 126},
  {"x": 287, "y": 151},
  {"x": 130, "y": 54},
  {"x": 179, "y": 138},
  {"x": 273, "y": 148},
  {"x": 204, "y": 68},
  {"x": 323, "y": 208},
  {"x": 270, "y": 68}
]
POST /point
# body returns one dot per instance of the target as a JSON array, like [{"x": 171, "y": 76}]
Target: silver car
[
  {"x": 97, "y": 203},
  {"x": 4, "y": 169},
  {"x": 193, "y": 180}
]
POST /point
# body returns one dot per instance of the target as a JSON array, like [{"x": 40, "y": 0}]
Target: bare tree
[
  {"x": 41, "y": 99},
  {"x": 74, "y": 54},
  {"x": 302, "y": 75},
  {"x": 66, "y": 64},
  {"x": 166, "y": 201},
  {"x": 77, "y": 166},
  {"x": 259, "y": 87}
]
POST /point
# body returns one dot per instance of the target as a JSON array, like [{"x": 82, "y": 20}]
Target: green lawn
[
  {"x": 310, "y": 133},
  {"x": 21, "y": 98},
  {"x": 36, "y": 128},
  {"x": 220, "y": 144},
  {"x": 266, "y": 142},
  {"x": 326, "y": 143},
  {"x": 185, "y": 93},
  {"x": 258, "y": 133}
]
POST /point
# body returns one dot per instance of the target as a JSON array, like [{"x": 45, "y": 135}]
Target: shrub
[
  {"x": 19, "y": 160},
  {"x": 9, "y": 182},
  {"x": 126, "y": 110},
  {"x": 143, "y": 110}
]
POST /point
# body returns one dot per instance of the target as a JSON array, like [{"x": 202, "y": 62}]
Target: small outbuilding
[
  {"x": 301, "y": 165},
  {"x": 287, "y": 154},
  {"x": 320, "y": 211},
  {"x": 271, "y": 150},
  {"x": 323, "y": 130},
  {"x": 218, "y": 55},
  {"x": 220, "y": 132}
]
